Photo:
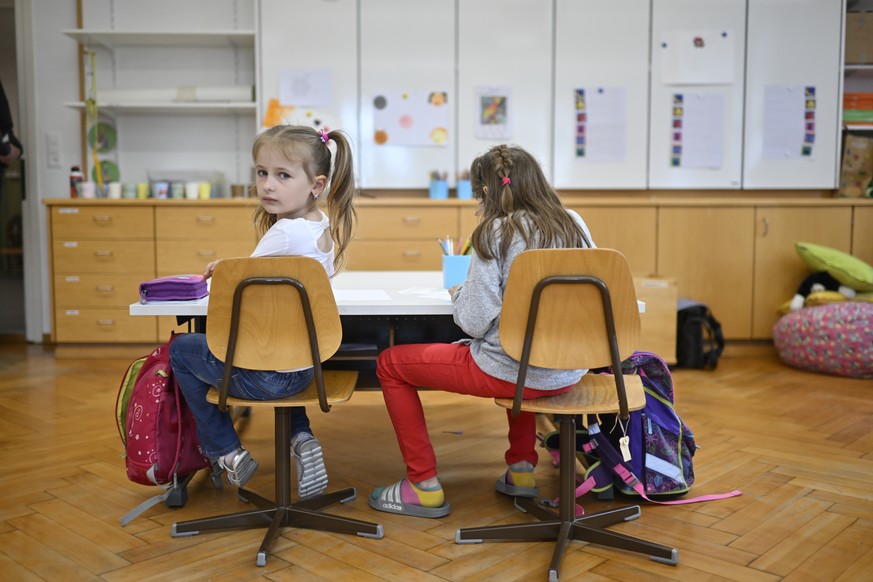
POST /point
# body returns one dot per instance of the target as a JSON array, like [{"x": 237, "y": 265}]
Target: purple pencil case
[{"x": 173, "y": 288}]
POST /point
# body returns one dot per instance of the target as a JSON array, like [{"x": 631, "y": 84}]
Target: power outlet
[{"x": 53, "y": 149}]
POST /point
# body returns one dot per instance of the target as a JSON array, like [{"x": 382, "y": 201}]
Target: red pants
[{"x": 448, "y": 367}]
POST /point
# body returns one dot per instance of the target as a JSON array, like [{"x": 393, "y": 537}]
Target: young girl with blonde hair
[{"x": 296, "y": 168}]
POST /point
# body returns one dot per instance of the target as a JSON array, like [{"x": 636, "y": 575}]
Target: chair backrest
[
  {"x": 571, "y": 329},
  {"x": 272, "y": 333}
]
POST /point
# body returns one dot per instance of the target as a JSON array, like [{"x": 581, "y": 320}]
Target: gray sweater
[{"x": 477, "y": 311}]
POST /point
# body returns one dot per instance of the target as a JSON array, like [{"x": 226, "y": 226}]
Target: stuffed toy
[{"x": 822, "y": 281}]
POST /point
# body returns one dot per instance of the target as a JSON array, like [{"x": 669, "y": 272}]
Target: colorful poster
[
  {"x": 493, "y": 117},
  {"x": 789, "y": 122},
  {"x": 697, "y": 130},
  {"x": 702, "y": 57},
  {"x": 414, "y": 118},
  {"x": 601, "y": 124}
]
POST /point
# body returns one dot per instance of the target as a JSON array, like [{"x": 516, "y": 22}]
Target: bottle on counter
[{"x": 76, "y": 176}]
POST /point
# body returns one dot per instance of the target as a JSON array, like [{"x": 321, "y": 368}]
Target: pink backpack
[{"x": 157, "y": 430}]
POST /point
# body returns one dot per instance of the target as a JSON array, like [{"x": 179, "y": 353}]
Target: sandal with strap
[
  {"x": 390, "y": 499},
  {"x": 507, "y": 487},
  {"x": 240, "y": 469}
]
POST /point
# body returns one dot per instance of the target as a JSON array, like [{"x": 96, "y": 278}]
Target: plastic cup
[
  {"x": 203, "y": 190},
  {"x": 455, "y": 269},
  {"x": 439, "y": 189},
  {"x": 113, "y": 190},
  {"x": 87, "y": 189}
]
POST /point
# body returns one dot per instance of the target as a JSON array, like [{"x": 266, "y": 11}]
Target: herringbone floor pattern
[{"x": 799, "y": 445}]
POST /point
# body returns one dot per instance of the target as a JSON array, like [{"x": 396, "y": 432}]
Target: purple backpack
[{"x": 660, "y": 444}]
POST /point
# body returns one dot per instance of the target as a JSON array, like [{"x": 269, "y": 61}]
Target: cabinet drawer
[
  {"x": 104, "y": 257},
  {"x": 83, "y": 291},
  {"x": 204, "y": 223},
  {"x": 102, "y": 223},
  {"x": 179, "y": 257},
  {"x": 407, "y": 255},
  {"x": 103, "y": 326},
  {"x": 407, "y": 222}
]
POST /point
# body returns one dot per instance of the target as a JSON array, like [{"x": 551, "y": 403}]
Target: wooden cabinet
[
  {"x": 402, "y": 238},
  {"x": 710, "y": 253},
  {"x": 630, "y": 230},
  {"x": 862, "y": 234},
  {"x": 778, "y": 270},
  {"x": 99, "y": 255},
  {"x": 189, "y": 238}
]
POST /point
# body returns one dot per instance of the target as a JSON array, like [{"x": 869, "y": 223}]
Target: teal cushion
[{"x": 848, "y": 270}]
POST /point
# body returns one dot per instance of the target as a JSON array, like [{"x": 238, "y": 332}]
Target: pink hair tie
[
  {"x": 506, "y": 181},
  {"x": 324, "y": 138}
]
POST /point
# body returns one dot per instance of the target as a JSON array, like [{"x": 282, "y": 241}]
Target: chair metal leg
[
  {"x": 565, "y": 526},
  {"x": 274, "y": 515}
]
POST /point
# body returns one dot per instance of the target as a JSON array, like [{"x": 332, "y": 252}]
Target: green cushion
[{"x": 848, "y": 270}]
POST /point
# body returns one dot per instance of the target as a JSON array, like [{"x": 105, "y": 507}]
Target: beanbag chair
[{"x": 836, "y": 338}]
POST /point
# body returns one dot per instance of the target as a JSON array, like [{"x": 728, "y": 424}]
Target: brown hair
[
  {"x": 520, "y": 200},
  {"x": 304, "y": 145}
]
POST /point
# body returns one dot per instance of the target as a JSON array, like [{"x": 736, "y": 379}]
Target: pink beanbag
[{"x": 834, "y": 339}]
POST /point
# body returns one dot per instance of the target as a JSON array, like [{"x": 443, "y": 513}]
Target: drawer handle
[
  {"x": 102, "y": 218},
  {"x": 105, "y": 288},
  {"x": 205, "y": 219},
  {"x": 103, "y": 253},
  {"x": 105, "y": 322},
  {"x": 411, "y": 253},
  {"x": 412, "y": 219},
  {"x": 205, "y": 253}
]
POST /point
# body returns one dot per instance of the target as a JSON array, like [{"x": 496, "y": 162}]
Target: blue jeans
[{"x": 197, "y": 370}]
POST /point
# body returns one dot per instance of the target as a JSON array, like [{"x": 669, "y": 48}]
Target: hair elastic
[
  {"x": 506, "y": 181},
  {"x": 324, "y": 137}
]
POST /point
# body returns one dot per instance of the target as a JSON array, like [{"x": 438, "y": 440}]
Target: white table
[{"x": 356, "y": 292}]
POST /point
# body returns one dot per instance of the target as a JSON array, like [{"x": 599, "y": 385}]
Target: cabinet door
[
  {"x": 512, "y": 65},
  {"x": 862, "y": 234},
  {"x": 601, "y": 48},
  {"x": 710, "y": 253},
  {"x": 696, "y": 113},
  {"x": 778, "y": 269},
  {"x": 793, "y": 66},
  {"x": 629, "y": 230},
  {"x": 407, "y": 54}
]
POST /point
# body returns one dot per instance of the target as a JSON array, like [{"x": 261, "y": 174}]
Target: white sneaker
[{"x": 311, "y": 472}]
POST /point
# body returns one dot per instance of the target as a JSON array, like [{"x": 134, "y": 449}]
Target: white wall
[{"x": 47, "y": 72}]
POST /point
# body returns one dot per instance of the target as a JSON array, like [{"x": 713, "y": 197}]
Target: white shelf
[
  {"x": 180, "y": 108},
  {"x": 112, "y": 39}
]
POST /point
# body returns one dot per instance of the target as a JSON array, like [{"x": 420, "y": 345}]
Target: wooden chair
[
  {"x": 278, "y": 313},
  {"x": 567, "y": 309}
]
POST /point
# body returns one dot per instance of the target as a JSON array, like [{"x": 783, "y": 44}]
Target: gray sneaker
[{"x": 311, "y": 472}]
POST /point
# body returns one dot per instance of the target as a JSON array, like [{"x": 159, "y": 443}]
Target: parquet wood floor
[{"x": 799, "y": 445}]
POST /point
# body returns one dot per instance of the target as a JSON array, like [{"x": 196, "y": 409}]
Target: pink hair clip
[
  {"x": 324, "y": 138},
  {"x": 506, "y": 181}
]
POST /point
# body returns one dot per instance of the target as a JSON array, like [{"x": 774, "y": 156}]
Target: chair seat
[
  {"x": 339, "y": 386},
  {"x": 594, "y": 394}
]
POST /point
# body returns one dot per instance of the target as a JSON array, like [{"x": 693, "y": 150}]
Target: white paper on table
[
  {"x": 703, "y": 130},
  {"x": 784, "y": 122},
  {"x": 606, "y": 127},
  {"x": 361, "y": 295},
  {"x": 427, "y": 292}
]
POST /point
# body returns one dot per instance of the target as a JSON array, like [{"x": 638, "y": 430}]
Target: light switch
[{"x": 53, "y": 147}]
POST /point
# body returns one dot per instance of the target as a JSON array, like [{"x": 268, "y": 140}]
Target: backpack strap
[{"x": 612, "y": 460}]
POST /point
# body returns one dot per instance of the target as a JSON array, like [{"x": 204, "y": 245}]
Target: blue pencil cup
[
  {"x": 455, "y": 269},
  {"x": 439, "y": 189},
  {"x": 465, "y": 190}
]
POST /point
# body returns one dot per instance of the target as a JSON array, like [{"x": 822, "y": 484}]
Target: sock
[
  {"x": 433, "y": 497},
  {"x": 522, "y": 475},
  {"x": 229, "y": 457}
]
